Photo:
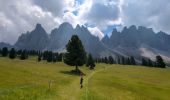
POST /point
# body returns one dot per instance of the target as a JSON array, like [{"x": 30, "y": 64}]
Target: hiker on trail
[{"x": 81, "y": 80}]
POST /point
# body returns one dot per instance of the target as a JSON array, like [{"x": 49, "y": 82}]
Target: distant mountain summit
[
  {"x": 139, "y": 42},
  {"x": 133, "y": 41},
  {"x": 37, "y": 39},
  {"x": 59, "y": 37}
]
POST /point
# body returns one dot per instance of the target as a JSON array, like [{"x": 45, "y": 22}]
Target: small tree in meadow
[
  {"x": 12, "y": 53},
  {"x": 160, "y": 62},
  {"x": 4, "y": 52},
  {"x": 90, "y": 62},
  {"x": 75, "y": 55},
  {"x": 24, "y": 55}
]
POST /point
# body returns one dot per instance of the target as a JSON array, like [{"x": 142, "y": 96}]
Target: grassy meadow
[{"x": 32, "y": 80}]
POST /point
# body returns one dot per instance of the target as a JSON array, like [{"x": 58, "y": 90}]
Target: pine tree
[
  {"x": 60, "y": 57},
  {"x": 132, "y": 61},
  {"x": 118, "y": 60},
  {"x": 128, "y": 62},
  {"x": 45, "y": 55},
  {"x": 144, "y": 62},
  {"x": 19, "y": 52},
  {"x": 12, "y": 53},
  {"x": 39, "y": 57},
  {"x": 55, "y": 55},
  {"x": 150, "y": 63},
  {"x": 111, "y": 60},
  {"x": 123, "y": 60},
  {"x": 0, "y": 51},
  {"x": 106, "y": 60},
  {"x": 4, "y": 52},
  {"x": 24, "y": 55},
  {"x": 160, "y": 62},
  {"x": 90, "y": 62},
  {"x": 50, "y": 56},
  {"x": 75, "y": 55}
]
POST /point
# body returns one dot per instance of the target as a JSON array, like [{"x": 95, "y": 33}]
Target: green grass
[{"x": 29, "y": 80}]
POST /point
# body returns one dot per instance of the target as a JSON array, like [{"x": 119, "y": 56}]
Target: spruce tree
[
  {"x": 118, "y": 60},
  {"x": 128, "y": 62},
  {"x": 12, "y": 53},
  {"x": 39, "y": 57},
  {"x": 90, "y": 62},
  {"x": 0, "y": 51},
  {"x": 160, "y": 62},
  {"x": 144, "y": 62},
  {"x": 24, "y": 55},
  {"x": 111, "y": 60},
  {"x": 150, "y": 63},
  {"x": 4, "y": 52},
  {"x": 132, "y": 60},
  {"x": 75, "y": 55},
  {"x": 106, "y": 60},
  {"x": 50, "y": 56}
]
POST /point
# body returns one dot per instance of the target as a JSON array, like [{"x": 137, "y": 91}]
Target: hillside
[{"x": 29, "y": 80}]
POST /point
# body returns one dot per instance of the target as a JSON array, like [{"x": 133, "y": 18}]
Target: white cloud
[
  {"x": 96, "y": 32},
  {"x": 149, "y": 13},
  {"x": 100, "y": 13},
  {"x": 18, "y": 16}
]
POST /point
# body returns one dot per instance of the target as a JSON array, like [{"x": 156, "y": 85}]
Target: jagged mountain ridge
[
  {"x": 130, "y": 41},
  {"x": 59, "y": 37},
  {"x": 37, "y": 39},
  {"x": 139, "y": 42}
]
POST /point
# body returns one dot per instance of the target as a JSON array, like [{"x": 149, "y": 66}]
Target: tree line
[
  {"x": 131, "y": 61},
  {"x": 77, "y": 56}
]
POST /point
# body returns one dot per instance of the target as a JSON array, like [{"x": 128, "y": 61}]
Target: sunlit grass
[{"x": 29, "y": 80}]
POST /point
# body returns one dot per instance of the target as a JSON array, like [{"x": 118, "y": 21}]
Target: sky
[{"x": 99, "y": 16}]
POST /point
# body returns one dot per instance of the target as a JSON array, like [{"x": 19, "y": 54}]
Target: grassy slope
[{"x": 29, "y": 80}]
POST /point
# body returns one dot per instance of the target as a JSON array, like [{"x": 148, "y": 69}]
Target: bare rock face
[
  {"x": 37, "y": 39},
  {"x": 132, "y": 41},
  {"x": 138, "y": 41}
]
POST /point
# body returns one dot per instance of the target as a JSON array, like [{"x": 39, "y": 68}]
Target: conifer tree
[
  {"x": 75, "y": 55},
  {"x": 12, "y": 53},
  {"x": 132, "y": 60},
  {"x": 160, "y": 62},
  {"x": 24, "y": 55},
  {"x": 90, "y": 62},
  {"x": 4, "y": 52},
  {"x": 111, "y": 60}
]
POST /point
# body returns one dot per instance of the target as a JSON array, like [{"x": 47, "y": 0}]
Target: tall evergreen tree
[
  {"x": 4, "y": 51},
  {"x": 150, "y": 63},
  {"x": 123, "y": 60},
  {"x": 132, "y": 60},
  {"x": 90, "y": 62},
  {"x": 50, "y": 56},
  {"x": 12, "y": 53},
  {"x": 144, "y": 62},
  {"x": 111, "y": 60},
  {"x": 0, "y": 51},
  {"x": 118, "y": 60},
  {"x": 39, "y": 57},
  {"x": 24, "y": 55},
  {"x": 160, "y": 62},
  {"x": 60, "y": 57},
  {"x": 75, "y": 55},
  {"x": 19, "y": 52},
  {"x": 128, "y": 62},
  {"x": 106, "y": 60}
]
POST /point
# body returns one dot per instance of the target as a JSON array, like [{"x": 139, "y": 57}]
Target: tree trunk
[{"x": 76, "y": 67}]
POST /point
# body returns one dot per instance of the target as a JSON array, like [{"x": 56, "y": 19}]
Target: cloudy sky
[{"x": 100, "y": 16}]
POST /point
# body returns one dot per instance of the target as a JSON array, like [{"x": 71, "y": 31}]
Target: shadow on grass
[{"x": 73, "y": 72}]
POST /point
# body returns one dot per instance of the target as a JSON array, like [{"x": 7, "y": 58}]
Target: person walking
[{"x": 81, "y": 80}]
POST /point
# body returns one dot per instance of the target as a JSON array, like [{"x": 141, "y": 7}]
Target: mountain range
[{"x": 133, "y": 41}]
